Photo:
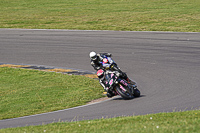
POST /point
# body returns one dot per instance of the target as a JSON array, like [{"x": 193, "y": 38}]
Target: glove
[
  {"x": 109, "y": 54},
  {"x": 124, "y": 75},
  {"x": 110, "y": 88},
  {"x": 117, "y": 74},
  {"x": 106, "y": 88}
]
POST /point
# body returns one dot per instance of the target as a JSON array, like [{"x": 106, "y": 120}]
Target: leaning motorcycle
[
  {"x": 109, "y": 64},
  {"x": 121, "y": 87}
]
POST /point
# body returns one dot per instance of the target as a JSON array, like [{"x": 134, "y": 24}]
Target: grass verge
[
  {"x": 160, "y": 123},
  {"x": 26, "y": 92},
  {"x": 126, "y": 15}
]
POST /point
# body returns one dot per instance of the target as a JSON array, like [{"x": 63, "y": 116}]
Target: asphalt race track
[{"x": 166, "y": 66}]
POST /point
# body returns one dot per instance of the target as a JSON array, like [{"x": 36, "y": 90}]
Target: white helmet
[{"x": 93, "y": 55}]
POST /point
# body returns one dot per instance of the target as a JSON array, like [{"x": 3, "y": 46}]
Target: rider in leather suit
[
  {"x": 96, "y": 62},
  {"x": 97, "y": 59},
  {"x": 104, "y": 79}
]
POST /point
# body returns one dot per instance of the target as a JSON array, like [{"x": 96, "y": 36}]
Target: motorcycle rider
[
  {"x": 96, "y": 59},
  {"x": 96, "y": 62},
  {"x": 104, "y": 79}
]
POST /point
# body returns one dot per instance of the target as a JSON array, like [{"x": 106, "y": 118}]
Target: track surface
[{"x": 165, "y": 65}]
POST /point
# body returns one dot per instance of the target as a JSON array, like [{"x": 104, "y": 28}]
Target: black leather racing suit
[
  {"x": 104, "y": 81},
  {"x": 97, "y": 63}
]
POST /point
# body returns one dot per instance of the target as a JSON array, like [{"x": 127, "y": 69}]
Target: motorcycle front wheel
[
  {"x": 136, "y": 93},
  {"x": 123, "y": 92}
]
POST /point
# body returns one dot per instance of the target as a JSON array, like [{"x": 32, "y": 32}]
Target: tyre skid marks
[{"x": 52, "y": 69}]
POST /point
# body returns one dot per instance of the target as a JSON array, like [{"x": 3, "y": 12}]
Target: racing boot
[{"x": 110, "y": 94}]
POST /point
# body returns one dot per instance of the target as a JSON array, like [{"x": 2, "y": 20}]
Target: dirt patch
[{"x": 98, "y": 100}]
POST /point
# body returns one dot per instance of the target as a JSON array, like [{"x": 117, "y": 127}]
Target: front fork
[
  {"x": 123, "y": 84},
  {"x": 131, "y": 87}
]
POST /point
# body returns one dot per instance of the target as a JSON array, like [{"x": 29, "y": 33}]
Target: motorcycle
[
  {"x": 121, "y": 87},
  {"x": 109, "y": 64}
]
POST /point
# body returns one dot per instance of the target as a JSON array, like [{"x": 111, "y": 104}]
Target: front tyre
[
  {"x": 136, "y": 93},
  {"x": 123, "y": 92}
]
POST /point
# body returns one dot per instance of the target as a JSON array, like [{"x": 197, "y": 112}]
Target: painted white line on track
[
  {"x": 57, "y": 110},
  {"x": 100, "y": 30}
]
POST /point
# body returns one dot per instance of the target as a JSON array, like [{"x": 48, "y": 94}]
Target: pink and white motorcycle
[{"x": 122, "y": 87}]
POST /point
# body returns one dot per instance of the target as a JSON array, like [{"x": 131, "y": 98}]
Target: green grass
[
  {"x": 181, "y": 122},
  {"x": 26, "y": 92},
  {"x": 126, "y": 15}
]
